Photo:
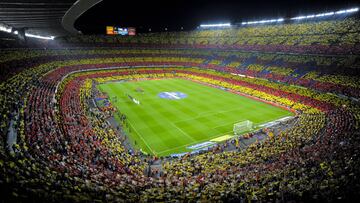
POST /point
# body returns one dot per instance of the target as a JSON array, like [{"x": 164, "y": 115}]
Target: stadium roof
[
  {"x": 57, "y": 17},
  {"x": 43, "y": 17},
  {"x": 186, "y": 15}
]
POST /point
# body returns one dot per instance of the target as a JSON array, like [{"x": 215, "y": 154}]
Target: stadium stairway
[
  {"x": 11, "y": 136},
  {"x": 209, "y": 59},
  {"x": 248, "y": 61},
  {"x": 302, "y": 70},
  {"x": 228, "y": 60},
  {"x": 276, "y": 62}
]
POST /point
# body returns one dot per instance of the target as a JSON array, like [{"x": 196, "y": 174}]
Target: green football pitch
[{"x": 169, "y": 125}]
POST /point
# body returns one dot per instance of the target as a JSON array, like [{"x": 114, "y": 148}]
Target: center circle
[{"x": 172, "y": 95}]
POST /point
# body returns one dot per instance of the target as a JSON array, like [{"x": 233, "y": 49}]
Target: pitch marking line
[
  {"x": 142, "y": 138},
  {"x": 172, "y": 95},
  {"x": 187, "y": 135},
  {"x": 198, "y": 141},
  {"x": 212, "y": 137}
]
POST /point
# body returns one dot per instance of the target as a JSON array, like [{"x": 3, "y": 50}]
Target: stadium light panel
[
  {"x": 329, "y": 14},
  {"x": 310, "y": 16},
  {"x": 215, "y": 25},
  {"x": 5, "y": 29},
  {"x": 340, "y": 12},
  {"x": 298, "y": 18},
  {"x": 263, "y": 21},
  {"x": 352, "y": 10},
  {"x": 9, "y": 30},
  {"x": 39, "y": 36},
  {"x": 319, "y": 15}
]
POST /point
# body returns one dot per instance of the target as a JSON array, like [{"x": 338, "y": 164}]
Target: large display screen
[
  {"x": 109, "y": 30},
  {"x": 114, "y": 30},
  {"x": 132, "y": 31}
]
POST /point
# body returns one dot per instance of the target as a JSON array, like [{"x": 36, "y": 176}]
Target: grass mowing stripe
[
  {"x": 168, "y": 126},
  {"x": 142, "y": 139},
  {"x": 230, "y": 132},
  {"x": 192, "y": 143},
  {"x": 184, "y": 133}
]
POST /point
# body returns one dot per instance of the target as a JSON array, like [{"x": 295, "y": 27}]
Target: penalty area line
[
  {"x": 195, "y": 142},
  {"x": 216, "y": 136}
]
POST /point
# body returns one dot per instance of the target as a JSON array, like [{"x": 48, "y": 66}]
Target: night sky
[{"x": 172, "y": 14}]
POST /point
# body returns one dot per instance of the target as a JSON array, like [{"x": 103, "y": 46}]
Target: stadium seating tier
[{"x": 66, "y": 151}]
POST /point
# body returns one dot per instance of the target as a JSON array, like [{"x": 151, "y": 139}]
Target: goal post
[{"x": 242, "y": 127}]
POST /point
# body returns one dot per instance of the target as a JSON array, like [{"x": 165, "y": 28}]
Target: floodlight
[
  {"x": 329, "y": 14},
  {"x": 216, "y": 25},
  {"x": 299, "y": 18},
  {"x": 340, "y": 12},
  {"x": 39, "y": 36},
  {"x": 263, "y": 21},
  {"x": 351, "y": 10},
  {"x": 5, "y": 29}
]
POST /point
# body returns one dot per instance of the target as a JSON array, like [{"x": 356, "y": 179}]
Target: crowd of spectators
[
  {"x": 336, "y": 74},
  {"x": 336, "y": 83},
  {"x": 88, "y": 153},
  {"x": 67, "y": 150},
  {"x": 332, "y": 36}
]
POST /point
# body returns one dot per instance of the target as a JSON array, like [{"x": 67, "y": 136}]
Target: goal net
[{"x": 242, "y": 127}]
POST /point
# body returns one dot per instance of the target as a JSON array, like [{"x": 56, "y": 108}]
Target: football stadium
[{"x": 248, "y": 109}]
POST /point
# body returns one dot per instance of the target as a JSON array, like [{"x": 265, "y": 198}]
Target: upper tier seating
[{"x": 323, "y": 37}]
